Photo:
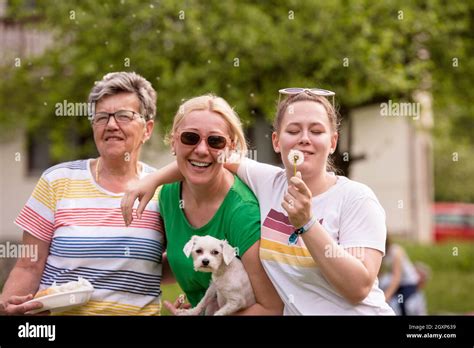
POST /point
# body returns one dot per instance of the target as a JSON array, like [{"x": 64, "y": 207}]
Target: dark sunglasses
[{"x": 214, "y": 141}]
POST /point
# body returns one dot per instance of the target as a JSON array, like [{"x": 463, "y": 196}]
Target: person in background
[{"x": 402, "y": 282}]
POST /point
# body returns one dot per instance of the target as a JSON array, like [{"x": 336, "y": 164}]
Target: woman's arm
[
  {"x": 24, "y": 279},
  {"x": 145, "y": 189},
  {"x": 267, "y": 300},
  {"x": 351, "y": 271},
  {"x": 232, "y": 167}
]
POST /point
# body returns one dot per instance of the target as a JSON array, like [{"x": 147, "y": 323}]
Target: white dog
[{"x": 230, "y": 289}]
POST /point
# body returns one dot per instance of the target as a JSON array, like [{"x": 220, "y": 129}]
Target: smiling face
[
  {"x": 200, "y": 163},
  {"x": 305, "y": 126},
  {"x": 115, "y": 140}
]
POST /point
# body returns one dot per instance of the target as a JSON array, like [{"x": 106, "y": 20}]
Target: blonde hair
[{"x": 220, "y": 106}]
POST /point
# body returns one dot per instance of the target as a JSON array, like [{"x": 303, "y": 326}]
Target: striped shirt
[{"x": 83, "y": 224}]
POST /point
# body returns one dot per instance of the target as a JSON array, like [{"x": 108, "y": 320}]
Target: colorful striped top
[
  {"x": 349, "y": 212},
  {"x": 83, "y": 224}
]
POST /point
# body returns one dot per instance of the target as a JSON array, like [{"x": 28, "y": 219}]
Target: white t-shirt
[{"x": 348, "y": 211}]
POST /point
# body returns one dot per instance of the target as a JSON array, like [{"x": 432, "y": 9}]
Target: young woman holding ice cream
[{"x": 323, "y": 235}]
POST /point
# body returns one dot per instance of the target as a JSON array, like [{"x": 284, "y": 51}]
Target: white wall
[
  {"x": 398, "y": 167},
  {"x": 386, "y": 142}
]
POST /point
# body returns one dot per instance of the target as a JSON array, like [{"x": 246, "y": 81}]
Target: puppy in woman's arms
[{"x": 230, "y": 289}]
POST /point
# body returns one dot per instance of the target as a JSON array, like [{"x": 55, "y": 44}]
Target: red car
[{"x": 454, "y": 221}]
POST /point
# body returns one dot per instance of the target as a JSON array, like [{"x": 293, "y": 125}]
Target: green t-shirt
[{"x": 237, "y": 220}]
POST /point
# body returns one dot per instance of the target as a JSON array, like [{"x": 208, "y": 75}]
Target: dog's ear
[
  {"x": 228, "y": 252},
  {"x": 189, "y": 246}
]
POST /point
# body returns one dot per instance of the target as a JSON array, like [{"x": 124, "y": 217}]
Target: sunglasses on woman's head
[
  {"x": 214, "y": 141},
  {"x": 311, "y": 91},
  {"x": 315, "y": 91}
]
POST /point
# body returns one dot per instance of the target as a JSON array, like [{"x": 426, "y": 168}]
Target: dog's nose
[{"x": 205, "y": 262}]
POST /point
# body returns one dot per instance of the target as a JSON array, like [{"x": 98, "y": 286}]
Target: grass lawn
[
  {"x": 170, "y": 293},
  {"x": 450, "y": 288}
]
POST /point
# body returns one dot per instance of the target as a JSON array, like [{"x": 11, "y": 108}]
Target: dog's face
[{"x": 209, "y": 253}]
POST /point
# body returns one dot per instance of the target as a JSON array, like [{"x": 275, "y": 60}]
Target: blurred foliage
[
  {"x": 454, "y": 163},
  {"x": 245, "y": 51},
  {"x": 447, "y": 256}
]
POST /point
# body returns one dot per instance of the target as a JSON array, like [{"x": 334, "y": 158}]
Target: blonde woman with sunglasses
[
  {"x": 323, "y": 235},
  {"x": 210, "y": 200}
]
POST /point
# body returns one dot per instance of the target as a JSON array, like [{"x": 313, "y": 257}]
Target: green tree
[{"x": 245, "y": 51}]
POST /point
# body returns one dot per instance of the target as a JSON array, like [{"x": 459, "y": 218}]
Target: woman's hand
[
  {"x": 177, "y": 305},
  {"x": 297, "y": 202},
  {"x": 25, "y": 278},
  {"x": 144, "y": 191},
  {"x": 15, "y": 305}
]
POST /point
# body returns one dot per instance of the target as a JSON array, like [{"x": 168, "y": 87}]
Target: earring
[{"x": 173, "y": 153}]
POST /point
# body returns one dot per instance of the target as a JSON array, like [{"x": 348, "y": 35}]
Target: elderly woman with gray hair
[{"x": 73, "y": 216}]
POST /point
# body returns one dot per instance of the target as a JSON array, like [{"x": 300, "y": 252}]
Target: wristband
[{"x": 294, "y": 236}]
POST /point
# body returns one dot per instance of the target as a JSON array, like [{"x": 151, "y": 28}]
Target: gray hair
[{"x": 118, "y": 82}]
